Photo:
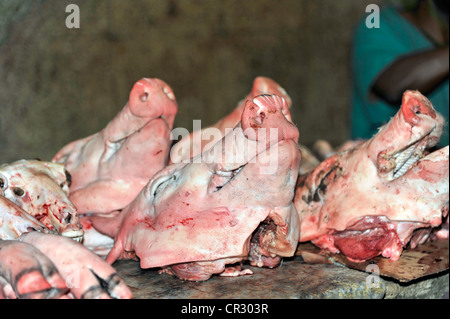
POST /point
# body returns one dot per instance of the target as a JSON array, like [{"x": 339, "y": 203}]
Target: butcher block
[{"x": 311, "y": 274}]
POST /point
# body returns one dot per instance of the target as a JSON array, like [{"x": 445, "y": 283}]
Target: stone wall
[{"x": 59, "y": 84}]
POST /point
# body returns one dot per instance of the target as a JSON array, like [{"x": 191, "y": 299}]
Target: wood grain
[{"x": 424, "y": 260}]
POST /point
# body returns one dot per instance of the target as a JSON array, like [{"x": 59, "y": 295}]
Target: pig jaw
[{"x": 61, "y": 219}]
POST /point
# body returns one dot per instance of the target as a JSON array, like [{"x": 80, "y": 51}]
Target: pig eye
[{"x": 18, "y": 191}]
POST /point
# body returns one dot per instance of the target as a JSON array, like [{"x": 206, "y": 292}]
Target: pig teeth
[
  {"x": 224, "y": 173},
  {"x": 403, "y": 156},
  {"x": 230, "y": 173},
  {"x": 403, "y": 162},
  {"x": 405, "y": 166},
  {"x": 78, "y": 239}
]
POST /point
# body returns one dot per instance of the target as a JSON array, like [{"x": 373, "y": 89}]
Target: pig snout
[
  {"x": 418, "y": 112},
  {"x": 415, "y": 104},
  {"x": 65, "y": 222},
  {"x": 147, "y": 98},
  {"x": 264, "y": 85},
  {"x": 268, "y": 112}
]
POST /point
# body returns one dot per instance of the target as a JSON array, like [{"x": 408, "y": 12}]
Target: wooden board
[
  {"x": 424, "y": 260},
  {"x": 292, "y": 279}
]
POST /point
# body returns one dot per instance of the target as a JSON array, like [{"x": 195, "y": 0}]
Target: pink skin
[
  {"x": 28, "y": 273},
  {"x": 193, "y": 144},
  {"x": 194, "y": 218},
  {"x": 111, "y": 167},
  {"x": 362, "y": 202},
  {"x": 325, "y": 150},
  {"x": 41, "y": 189},
  {"x": 85, "y": 274}
]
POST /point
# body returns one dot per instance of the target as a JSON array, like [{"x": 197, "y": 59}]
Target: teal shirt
[{"x": 376, "y": 49}]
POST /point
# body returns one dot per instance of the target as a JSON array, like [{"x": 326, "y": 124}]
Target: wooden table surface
[{"x": 295, "y": 278}]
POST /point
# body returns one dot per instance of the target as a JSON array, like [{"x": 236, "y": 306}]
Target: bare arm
[{"x": 422, "y": 71}]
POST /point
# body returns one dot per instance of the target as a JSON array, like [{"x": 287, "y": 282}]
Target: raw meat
[
  {"x": 235, "y": 204},
  {"x": 370, "y": 199}
]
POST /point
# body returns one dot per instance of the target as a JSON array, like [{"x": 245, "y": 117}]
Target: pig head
[
  {"x": 233, "y": 205},
  {"x": 41, "y": 189},
  {"x": 109, "y": 168},
  {"x": 370, "y": 199}
]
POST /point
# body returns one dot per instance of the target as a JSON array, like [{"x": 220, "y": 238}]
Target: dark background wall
[{"x": 59, "y": 84}]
